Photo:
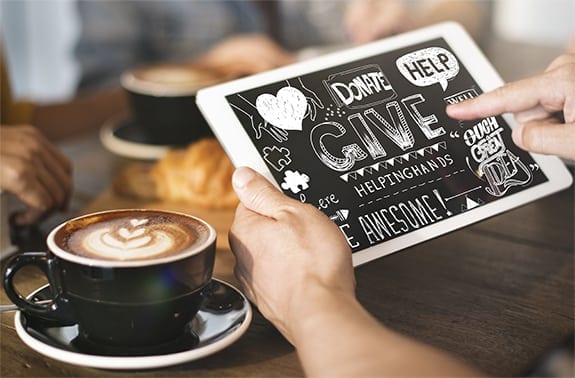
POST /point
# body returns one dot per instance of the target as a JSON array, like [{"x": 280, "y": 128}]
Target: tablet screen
[{"x": 369, "y": 143}]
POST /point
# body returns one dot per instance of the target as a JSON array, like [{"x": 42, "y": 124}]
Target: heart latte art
[{"x": 133, "y": 238}]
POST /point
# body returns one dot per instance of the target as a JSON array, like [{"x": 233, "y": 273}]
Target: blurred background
[
  {"x": 39, "y": 38},
  {"x": 63, "y": 58}
]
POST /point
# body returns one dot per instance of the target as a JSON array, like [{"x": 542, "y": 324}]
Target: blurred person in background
[
  {"x": 244, "y": 36},
  {"x": 73, "y": 52}
]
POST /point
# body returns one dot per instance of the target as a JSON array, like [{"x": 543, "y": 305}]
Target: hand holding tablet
[{"x": 363, "y": 136}]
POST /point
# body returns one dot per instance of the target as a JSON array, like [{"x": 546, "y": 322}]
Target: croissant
[{"x": 200, "y": 174}]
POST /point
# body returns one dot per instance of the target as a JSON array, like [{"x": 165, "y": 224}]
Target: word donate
[
  {"x": 428, "y": 66},
  {"x": 360, "y": 87}
]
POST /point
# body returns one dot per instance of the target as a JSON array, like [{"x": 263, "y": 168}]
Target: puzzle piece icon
[
  {"x": 278, "y": 158},
  {"x": 295, "y": 181}
]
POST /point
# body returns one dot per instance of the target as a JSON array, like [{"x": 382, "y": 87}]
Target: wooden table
[{"x": 498, "y": 294}]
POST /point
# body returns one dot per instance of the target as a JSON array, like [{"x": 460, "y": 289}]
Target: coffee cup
[
  {"x": 126, "y": 277},
  {"x": 163, "y": 104}
]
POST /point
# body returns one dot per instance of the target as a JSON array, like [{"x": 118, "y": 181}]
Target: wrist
[{"x": 314, "y": 305}]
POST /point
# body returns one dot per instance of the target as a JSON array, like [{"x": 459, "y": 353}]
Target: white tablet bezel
[{"x": 239, "y": 147}]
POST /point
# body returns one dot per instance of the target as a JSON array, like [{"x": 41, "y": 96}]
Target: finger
[
  {"x": 546, "y": 138},
  {"x": 51, "y": 183},
  {"x": 34, "y": 140},
  {"x": 45, "y": 170},
  {"x": 533, "y": 114},
  {"x": 57, "y": 178},
  {"x": 28, "y": 217},
  {"x": 16, "y": 177},
  {"x": 38, "y": 156},
  {"x": 258, "y": 194},
  {"x": 511, "y": 98},
  {"x": 560, "y": 61}
]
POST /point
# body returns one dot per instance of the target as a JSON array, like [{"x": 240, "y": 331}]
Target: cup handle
[{"x": 56, "y": 308}]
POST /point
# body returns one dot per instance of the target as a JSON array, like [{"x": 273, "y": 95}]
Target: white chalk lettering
[
  {"x": 351, "y": 153},
  {"x": 424, "y": 122},
  {"x": 399, "y": 218}
]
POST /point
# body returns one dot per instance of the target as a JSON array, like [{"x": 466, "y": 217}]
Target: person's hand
[
  {"x": 35, "y": 171},
  {"x": 535, "y": 102},
  {"x": 286, "y": 252},
  {"x": 245, "y": 55},
  {"x": 367, "y": 20}
]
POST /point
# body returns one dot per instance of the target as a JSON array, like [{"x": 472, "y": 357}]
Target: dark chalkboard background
[{"x": 391, "y": 191}]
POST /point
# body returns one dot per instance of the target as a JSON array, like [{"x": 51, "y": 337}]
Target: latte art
[
  {"x": 127, "y": 245},
  {"x": 133, "y": 238}
]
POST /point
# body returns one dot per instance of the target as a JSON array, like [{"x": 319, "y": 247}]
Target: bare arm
[
  {"x": 83, "y": 113},
  {"x": 295, "y": 265}
]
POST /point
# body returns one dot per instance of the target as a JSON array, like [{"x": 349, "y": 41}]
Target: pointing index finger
[{"x": 510, "y": 98}]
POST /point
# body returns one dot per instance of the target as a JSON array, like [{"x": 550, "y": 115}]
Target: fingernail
[
  {"x": 451, "y": 108},
  {"x": 242, "y": 176},
  {"x": 517, "y": 135}
]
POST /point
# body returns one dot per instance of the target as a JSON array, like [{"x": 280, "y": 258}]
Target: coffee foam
[
  {"x": 133, "y": 236},
  {"x": 168, "y": 80}
]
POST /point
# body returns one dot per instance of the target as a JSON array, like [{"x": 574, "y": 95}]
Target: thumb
[{"x": 258, "y": 194}]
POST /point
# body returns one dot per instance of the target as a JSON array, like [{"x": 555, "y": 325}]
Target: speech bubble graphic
[
  {"x": 286, "y": 110},
  {"x": 428, "y": 66}
]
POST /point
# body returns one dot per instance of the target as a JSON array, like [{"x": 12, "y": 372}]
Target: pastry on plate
[{"x": 200, "y": 174}]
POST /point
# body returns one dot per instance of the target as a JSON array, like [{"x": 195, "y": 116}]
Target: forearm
[
  {"x": 83, "y": 113},
  {"x": 341, "y": 338}
]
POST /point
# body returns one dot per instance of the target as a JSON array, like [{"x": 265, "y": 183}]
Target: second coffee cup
[
  {"x": 126, "y": 277},
  {"x": 162, "y": 100}
]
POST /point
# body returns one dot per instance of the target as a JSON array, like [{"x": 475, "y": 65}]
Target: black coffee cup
[
  {"x": 163, "y": 101},
  {"x": 126, "y": 277}
]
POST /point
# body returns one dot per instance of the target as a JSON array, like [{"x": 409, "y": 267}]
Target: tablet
[{"x": 362, "y": 134}]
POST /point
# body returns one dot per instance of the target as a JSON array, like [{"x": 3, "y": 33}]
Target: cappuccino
[
  {"x": 132, "y": 235},
  {"x": 168, "y": 80},
  {"x": 163, "y": 102},
  {"x": 128, "y": 277}
]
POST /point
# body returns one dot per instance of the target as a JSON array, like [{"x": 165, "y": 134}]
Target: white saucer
[
  {"x": 222, "y": 319},
  {"x": 123, "y": 137}
]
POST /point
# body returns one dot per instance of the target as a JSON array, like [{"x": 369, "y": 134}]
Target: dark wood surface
[{"x": 498, "y": 294}]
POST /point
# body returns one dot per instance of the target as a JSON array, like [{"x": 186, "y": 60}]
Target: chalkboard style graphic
[
  {"x": 340, "y": 215},
  {"x": 395, "y": 162},
  {"x": 286, "y": 110},
  {"x": 489, "y": 157},
  {"x": 429, "y": 66},
  {"x": 363, "y": 136},
  {"x": 313, "y": 101},
  {"x": 351, "y": 153},
  {"x": 257, "y": 123},
  {"x": 277, "y": 158},
  {"x": 295, "y": 181},
  {"x": 359, "y": 88}
]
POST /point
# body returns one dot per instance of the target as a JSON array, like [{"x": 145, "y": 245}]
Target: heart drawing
[{"x": 286, "y": 110}]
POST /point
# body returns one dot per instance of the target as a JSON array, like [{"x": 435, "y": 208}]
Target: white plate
[
  {"x": 122, "y": 137},
  {"x": 222, "y": 319}
]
